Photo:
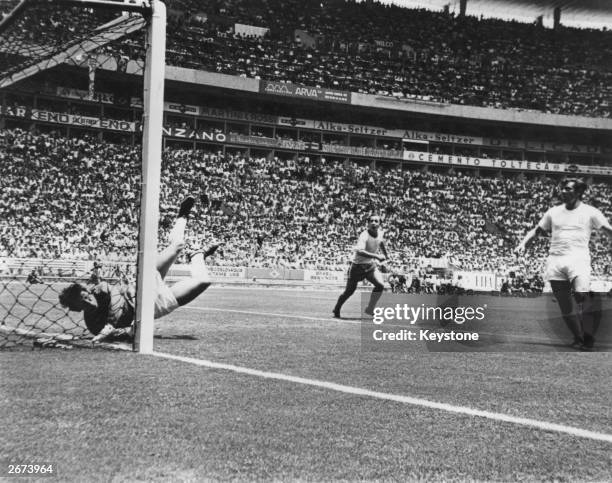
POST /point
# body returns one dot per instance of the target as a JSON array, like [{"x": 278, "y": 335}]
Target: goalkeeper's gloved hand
[{"x": 112, "y": 334}]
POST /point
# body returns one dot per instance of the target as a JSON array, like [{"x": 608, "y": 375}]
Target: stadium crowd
[
  {"x": 78, "y": 198},
  {"x": 372, "y": 48},
  {"x": 366, "y": 47}
]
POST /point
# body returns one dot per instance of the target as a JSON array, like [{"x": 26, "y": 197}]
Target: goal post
[
  {"x": 153, "y": 112},
  {"x": 39, "y": 35}
]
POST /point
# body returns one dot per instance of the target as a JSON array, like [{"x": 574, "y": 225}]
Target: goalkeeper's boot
[
  {"x": 212, "y": 249},
  {"x": 207, "y": 252},
  {"x": 186, "y": 206}
]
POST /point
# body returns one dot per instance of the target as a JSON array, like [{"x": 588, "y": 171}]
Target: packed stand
[
  {"x": 67, "y": 198},
  {"x": 392, "y": 51},
  {"x": 78, "y": 199},
  {"x": 364, "y": 47}
]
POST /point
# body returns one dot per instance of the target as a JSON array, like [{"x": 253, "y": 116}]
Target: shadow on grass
[
  {"x": 175, "y": 337},
  {"x": 559, "y": 346}
]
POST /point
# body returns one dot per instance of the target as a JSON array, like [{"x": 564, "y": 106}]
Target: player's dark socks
[
  {"x": 336, "y": 313},
  {"x": 343, "y": 298},
  {"x": 186, "y": 206},
  {"x": 578, "y": 343},
  {"x": 588, "y": 343}
]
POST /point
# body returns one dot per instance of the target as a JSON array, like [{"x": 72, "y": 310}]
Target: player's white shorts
[
  {"x": 571, "y": 268},
  {"x": 165, "y": 301}
]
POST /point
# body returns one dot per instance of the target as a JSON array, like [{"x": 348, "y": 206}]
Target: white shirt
[
  {"x": 571, "y": 229},
  {"x": 368, "y": 243}
]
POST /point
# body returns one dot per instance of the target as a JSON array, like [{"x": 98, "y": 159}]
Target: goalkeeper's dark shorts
[{"x": 359, "y": 271}]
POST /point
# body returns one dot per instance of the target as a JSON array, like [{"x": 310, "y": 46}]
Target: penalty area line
[
  {"x": 271, "y": 314},
  {"x": 413, "y": 401}
]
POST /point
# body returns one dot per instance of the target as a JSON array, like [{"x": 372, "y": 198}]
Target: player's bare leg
[
  {"x": 176, "y": 237},
  {"x": 187, "y": 290},
  {"x": 167, "y": 257},
  {"x": 563, "y": 293}
]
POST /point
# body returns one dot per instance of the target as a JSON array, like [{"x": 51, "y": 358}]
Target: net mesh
[
  {"x": 31, "y": 313},
  {"x": 69, "y": 203},
  {"x": 38, "y": 35}
]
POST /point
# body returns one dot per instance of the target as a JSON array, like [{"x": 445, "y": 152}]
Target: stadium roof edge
[
  {"x": 513, "y": 116},
  {"x": 213, "y": 79}
]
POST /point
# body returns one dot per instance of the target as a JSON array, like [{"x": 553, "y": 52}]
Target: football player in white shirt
[
  {"x": 364, "y": 265},
  {"x": 568, "y": 267}
]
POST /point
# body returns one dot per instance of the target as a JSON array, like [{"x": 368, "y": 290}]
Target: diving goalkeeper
[{"x": 108, "y": 310}]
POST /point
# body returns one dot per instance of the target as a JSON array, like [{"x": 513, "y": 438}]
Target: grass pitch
[{"x": 101, "y": 415}]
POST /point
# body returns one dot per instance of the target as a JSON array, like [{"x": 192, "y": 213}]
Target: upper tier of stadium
[
  {"x": 384, "y": 50},
  {"x": 391, "y": 51}
]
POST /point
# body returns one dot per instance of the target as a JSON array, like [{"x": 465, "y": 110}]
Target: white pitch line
[
  {"x": 271, "y": 314},
  {"x": 283, "y": 288},
  {"x": 413, "y": 401}
]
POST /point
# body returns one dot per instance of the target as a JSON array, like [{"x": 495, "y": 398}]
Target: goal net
[{"x": 81, "y": 106}]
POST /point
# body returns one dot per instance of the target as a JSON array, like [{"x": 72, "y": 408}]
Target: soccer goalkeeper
[{"x": 109, "y": 310}]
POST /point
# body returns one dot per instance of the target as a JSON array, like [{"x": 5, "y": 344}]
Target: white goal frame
[{"x": 152, "y": 122}]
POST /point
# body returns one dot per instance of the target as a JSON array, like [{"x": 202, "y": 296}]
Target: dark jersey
[{"x": 115, "y": 307}]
